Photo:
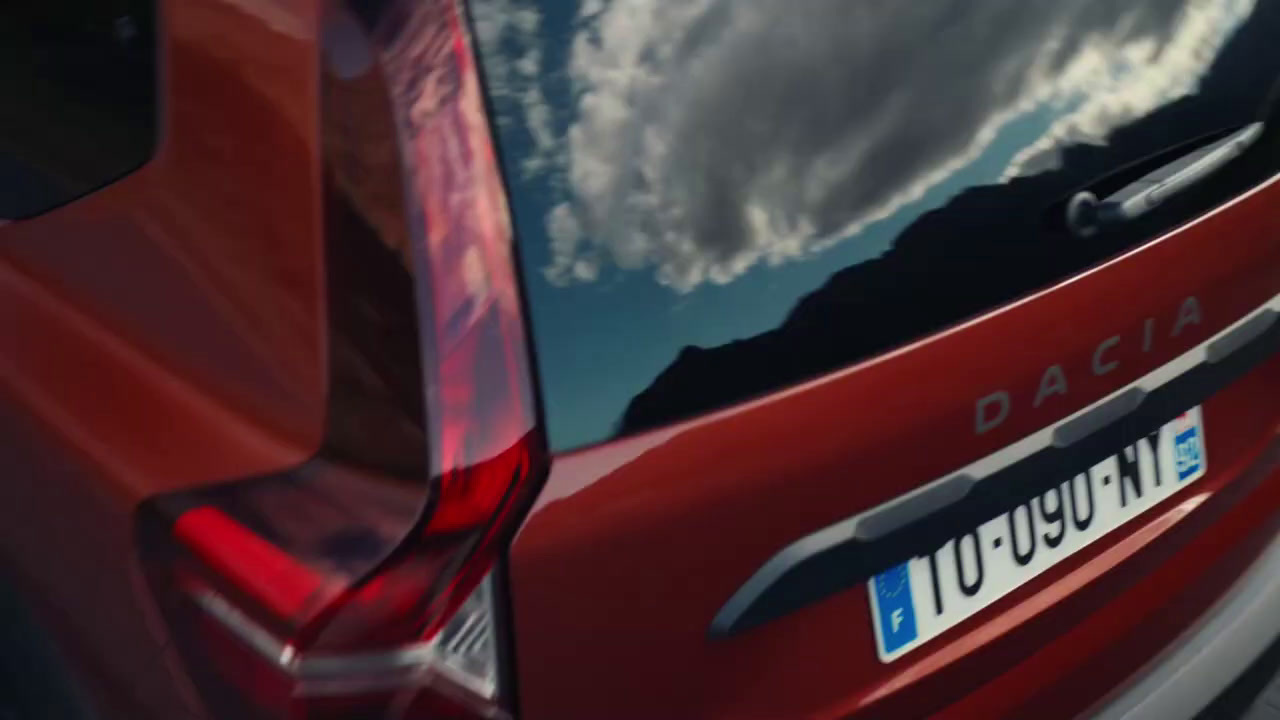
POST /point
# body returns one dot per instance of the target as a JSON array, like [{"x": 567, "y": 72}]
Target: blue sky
[{"x": 601, "y": 342}]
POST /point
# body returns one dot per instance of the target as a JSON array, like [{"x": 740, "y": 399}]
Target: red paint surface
[
  {"x": 164, "y": 333},
  {"x": 167, "y": 333},
  {"x": 635, "y": 546}
]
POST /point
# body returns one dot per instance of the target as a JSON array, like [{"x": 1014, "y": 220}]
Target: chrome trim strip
[
  {"x": 321, "y": 674},
  {"x": 250, "y": 632},
  {"x": 880, "y": 518}
]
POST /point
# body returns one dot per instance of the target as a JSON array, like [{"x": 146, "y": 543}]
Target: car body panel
[
  {"x": 166, "y": 332},
  {"x": 172, "y": 332},
  {"x": 661, "y": 528}
]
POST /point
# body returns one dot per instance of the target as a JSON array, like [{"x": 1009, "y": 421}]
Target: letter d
[{"x": 984, "y": 420}]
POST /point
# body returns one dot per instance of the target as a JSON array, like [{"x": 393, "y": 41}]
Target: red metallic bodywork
[
  {"x": 164, "y": 333},
  {"x": 168, "y": 333},
  {"x": 662, "y": 528}
]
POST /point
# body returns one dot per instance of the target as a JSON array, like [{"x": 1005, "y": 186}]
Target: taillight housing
[{"x": 342, "y": 589}]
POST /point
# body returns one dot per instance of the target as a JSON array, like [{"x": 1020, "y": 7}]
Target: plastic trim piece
[
  {"x": 322, "y": 674},
  {"x": 850, "y": 551}
]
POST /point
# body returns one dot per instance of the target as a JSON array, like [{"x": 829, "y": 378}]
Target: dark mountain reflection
[{"x": 988, "y": 245}]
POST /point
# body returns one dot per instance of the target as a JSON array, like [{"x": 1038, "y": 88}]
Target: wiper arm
[{"x": 1086, "y": 214}]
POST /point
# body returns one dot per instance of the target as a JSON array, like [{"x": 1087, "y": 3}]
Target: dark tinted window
[
  {"x": 717, "y": 198},
  {"x": 77, "y": 98}
]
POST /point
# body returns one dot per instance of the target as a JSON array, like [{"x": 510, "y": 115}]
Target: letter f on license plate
[{"x": 896, "y": 616}]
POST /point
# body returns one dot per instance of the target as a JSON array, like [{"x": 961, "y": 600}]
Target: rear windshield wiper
[{"x": 1086, "y": 214}]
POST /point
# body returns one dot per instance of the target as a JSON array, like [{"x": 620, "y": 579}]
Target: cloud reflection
[{"x": 700, "y": 138}]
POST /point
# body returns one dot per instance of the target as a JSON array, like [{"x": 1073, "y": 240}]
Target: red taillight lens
[{"x": 336, "y": 590}]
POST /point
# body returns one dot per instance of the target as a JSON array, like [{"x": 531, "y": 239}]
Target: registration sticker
[{"x": 1188, "y": 450}]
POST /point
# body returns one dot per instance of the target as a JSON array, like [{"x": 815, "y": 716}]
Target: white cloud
[
  {"x": 1149, "y": 76},
  {"x": 707, "y": 136},
  {"x": 512, "y": 28}
]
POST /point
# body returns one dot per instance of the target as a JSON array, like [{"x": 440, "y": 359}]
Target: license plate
[{"x": 925, "y": 596}]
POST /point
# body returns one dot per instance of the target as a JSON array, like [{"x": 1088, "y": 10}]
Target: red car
[{"x": 639, "y": 359}]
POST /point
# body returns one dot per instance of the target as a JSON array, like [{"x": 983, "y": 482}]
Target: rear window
[
  {"x": 77, "y": 98},
  {"x": 714, "y": 199}
]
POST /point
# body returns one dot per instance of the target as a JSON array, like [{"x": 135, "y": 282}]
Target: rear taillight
[{"x": 346, "y": 588}]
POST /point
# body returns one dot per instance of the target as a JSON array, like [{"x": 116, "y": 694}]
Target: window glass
[
  {"x": 77, "y": 98},
  {"x": 714, "y": 199}
]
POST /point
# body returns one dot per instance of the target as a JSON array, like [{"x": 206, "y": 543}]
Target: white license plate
[{"x": 923, "y": 597}]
